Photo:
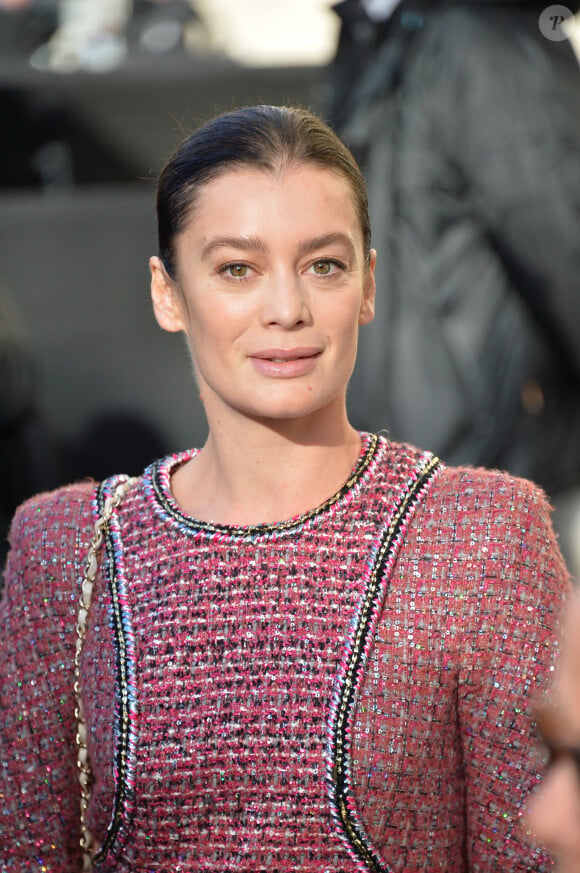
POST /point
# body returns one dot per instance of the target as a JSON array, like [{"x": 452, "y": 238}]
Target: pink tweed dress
[{"x": 344, "y": 691}]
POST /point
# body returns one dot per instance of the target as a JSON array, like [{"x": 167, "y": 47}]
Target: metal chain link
[{"x": 87, "y": 841}]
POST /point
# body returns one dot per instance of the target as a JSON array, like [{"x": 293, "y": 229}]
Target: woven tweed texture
[{"x": 345, "y": 691}]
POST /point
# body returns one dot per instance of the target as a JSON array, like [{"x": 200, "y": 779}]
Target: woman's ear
[
  {"x": 367, "y": 307},
  {"x": 167, "y": 303}
]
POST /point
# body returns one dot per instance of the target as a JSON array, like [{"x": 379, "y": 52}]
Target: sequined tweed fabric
[{"x": 345, "y": 691}]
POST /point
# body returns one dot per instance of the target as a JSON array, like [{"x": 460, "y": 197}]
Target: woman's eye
[
  {"x": 324, "y": 267},
  {"x": 237, "y": 271}
]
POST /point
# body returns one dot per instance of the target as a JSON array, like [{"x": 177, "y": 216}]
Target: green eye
[
  {"x": 238, "y": 271},
  {"x": 322, "y": 268}
]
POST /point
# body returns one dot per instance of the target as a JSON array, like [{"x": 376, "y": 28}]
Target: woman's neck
[{"x": 264, "y": 474}]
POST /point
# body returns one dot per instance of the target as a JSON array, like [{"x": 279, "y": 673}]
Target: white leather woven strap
[{"x": 87, "y": 842}]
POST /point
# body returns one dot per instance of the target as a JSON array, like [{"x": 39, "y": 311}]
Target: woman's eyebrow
[
  {"x": 256, "y": 244},
  {"x": 251, "y": 243},
  {"x": 327, "y": 239}
]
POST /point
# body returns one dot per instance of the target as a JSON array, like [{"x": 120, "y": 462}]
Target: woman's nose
[{"x": 285, "y": 301}]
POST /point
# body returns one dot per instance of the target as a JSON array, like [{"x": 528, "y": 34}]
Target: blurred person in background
[
  {"x": 465, "y": 117},
  {"x": 553, "y": 816},
  {"x": 94, "y": 35},
  {"x": 90, "y": 35}
]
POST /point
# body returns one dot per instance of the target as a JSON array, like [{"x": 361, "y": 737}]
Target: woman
[{"x": 307, "y": 648}]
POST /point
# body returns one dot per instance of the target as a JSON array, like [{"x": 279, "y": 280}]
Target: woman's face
[{"x": 272, "y": 288}]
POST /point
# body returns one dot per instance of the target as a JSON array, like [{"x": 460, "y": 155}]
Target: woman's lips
[{"x": 285, "y": 363}]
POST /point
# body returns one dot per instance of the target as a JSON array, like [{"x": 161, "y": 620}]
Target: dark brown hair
[{"x": 268, "y": 137}]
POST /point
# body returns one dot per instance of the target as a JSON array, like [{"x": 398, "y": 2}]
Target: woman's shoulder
[
  {"x": 486, "y": 533},
  {"x": 478, "y": 490},
  {"x": 467, "y": 486},
  {"x": 500, "y": 521},
  {"x": 48, "y": 542},
  {"x": 471, "y": 507},
  {"x": 64, "y": 506}
]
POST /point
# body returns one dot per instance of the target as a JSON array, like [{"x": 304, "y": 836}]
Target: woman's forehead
[{"x": 246, "y": 193}]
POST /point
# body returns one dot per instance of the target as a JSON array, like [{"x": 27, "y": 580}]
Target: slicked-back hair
[{"x": 261, "y": 137}]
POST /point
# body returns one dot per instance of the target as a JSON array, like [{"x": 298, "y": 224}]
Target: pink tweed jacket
[{"x": 344, "y": 691}]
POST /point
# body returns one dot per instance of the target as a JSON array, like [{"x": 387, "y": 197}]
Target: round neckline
[{"x": 157, "y": 480}]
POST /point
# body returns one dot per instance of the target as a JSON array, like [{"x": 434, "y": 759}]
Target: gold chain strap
[{"x": 87, "y": 841}]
